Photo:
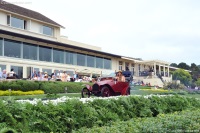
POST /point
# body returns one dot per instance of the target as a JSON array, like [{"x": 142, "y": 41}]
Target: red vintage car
[{"x": 105, "y": 87}]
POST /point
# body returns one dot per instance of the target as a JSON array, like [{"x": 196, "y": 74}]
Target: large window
[
  {"x": 18, "y": 23},
  {"x": 1, "y": 46},
  {"x": 69, "y": 57},
  {"x": 30, "y": 51},
  {"x": 19, "y": 71},
  {"x": 99, "y": 62},
  {"x": 45, "y": 54},
  {"x": 2, "y": 67},
  {"x": 58, "y": 56},
  {"x": 120, "y": 65},
  {"x": 12, "y": 48},
  {"x": 49, "y": 71},
  {"x": 107, "y": 63},
  {"x": 90, "y": 61},
  {"x": 81, "y": 60},
  {"x": 47, "y": 30}
]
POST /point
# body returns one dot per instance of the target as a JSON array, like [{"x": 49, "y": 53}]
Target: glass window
[
  {"x": 17, "y": 23},
  {"x": 81, "y": 59},
  {"x": 18, "y": 70},
  {"x": 1, "y": 46},
  {"x": 12, "y": 48},
  {"x": 2, "y": 67},
  {"x": 47, "y": 30},
  {"x": 29, "y": 51},
  {"x": 99, "y": 62},
  {"x": 107, "y": 63},
  {"x": 49, "y": 71},
  {"x": 69, "y": 57},
  {"x": 58, "y": 56},
  {"x": 45, "y": 54},
  {"x": 90, "y": 61}
]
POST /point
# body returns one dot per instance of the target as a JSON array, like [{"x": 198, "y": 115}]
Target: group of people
[
  {"x": 55, "y": 76},
  {"x": 9, "y": 75}
]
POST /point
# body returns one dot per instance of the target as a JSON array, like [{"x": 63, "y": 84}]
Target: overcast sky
[{"x": 167, "y": 30}]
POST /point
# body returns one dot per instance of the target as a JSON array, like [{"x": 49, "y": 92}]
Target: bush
[
  {"x": 186, "y": 121},
  {"x": 46, "y": 86},
  {"x": 73, "y": 114},
  {"x": 173, "y": 85}
]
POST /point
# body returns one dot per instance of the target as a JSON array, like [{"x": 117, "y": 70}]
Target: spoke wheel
[
  {"x": 105, "y": 91},
  {"x": 85, "y": 93}
]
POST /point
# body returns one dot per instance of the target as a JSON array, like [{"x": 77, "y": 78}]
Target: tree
[
  {"x": 195, "y": 71},
  {"x": 183, "y": 66},
  {"x": 183, "y": 76},
  {"x": 174, "y": 65},
  {"x": 198, "y": 82}
]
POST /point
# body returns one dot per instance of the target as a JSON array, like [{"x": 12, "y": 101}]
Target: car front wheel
[{"x": 105, "y": 91}]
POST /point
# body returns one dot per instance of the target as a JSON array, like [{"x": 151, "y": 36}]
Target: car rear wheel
[
  {"x": 85, "y": 93},
  {"x": 105, "y": 91}
]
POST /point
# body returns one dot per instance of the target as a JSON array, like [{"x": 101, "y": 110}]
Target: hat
[
  {"x": 119, "y": 71},
  {"x": 45, "y": 72}
]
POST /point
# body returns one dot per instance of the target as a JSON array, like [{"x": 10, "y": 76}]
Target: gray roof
[{"x": 26, "y": 12}]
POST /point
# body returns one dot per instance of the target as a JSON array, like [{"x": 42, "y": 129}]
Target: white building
[{"x": 30, "y": 40}]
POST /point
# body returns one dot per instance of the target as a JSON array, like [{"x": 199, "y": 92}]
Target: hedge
[
  {"x": 186, "y": 121},
  {"x": 73, "y": 114},
  {"x": 46, "y": 86}
]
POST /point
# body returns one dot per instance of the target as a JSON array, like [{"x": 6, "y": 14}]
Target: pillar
[
  {"x": 155, "y": 69},
  {"x": 159, "y": 70},
  {"x": 168, "y": 70},
  {"x": 25, "y": 72}
]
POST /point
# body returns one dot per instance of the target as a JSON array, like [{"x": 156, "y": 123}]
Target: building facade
[{"x": 31, "y": 41}]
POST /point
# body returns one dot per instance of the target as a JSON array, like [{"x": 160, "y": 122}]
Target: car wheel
[
  {"x": 105, "y": 91},
  {"x": 85, "y": 93},
  {"x": 128, "y": 91}
]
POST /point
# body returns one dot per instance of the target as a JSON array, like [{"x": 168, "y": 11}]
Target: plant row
[
  {"x": 47, "y": 87},
  {"x": 73, "y": 114},
  {"x": 186, "y": 121},
  {"x": 19, "y": 93}
]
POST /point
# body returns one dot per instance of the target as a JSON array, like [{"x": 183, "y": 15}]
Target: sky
[{"x": 166, "y": 30}]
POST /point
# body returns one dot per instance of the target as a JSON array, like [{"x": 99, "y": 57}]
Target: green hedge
[
  {"x": 73, "y": 114},
  {"x": 47, "y": 87},
  {"x": 186, "y": 121}
]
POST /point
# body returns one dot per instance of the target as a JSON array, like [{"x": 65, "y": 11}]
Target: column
[
  {"x": 168, "y": 70},
  {"x": 8, "y": 67},
  {"x": 25, "y": 75},
  {"x": 155, "y": 69},
  {"x": 164, "y": 69}
]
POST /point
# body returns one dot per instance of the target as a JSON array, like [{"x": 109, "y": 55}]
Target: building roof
[
  {"x": 26, "y": 12},
  {"x": 55, "y": 43}
]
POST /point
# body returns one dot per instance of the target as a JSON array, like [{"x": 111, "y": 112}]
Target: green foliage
[
  {"x": 173, "y": 85},
  {"x": 173, "y": 65},
  {"x": 73, "y": 114},
  {"x": 47, "y": 87},
  {"x": 183, "y": 65},
  {"x": 186, "y": 121},
  {"x": 198, "y": 82},
  {"x": 183, "y": 76}
]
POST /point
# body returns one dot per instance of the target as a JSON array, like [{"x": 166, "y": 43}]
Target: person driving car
[{"x": 120, "y": 77}]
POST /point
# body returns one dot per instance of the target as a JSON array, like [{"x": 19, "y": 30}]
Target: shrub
[
  {"x": 173, "y": 85},
  {"x": 73, "y": 114},
  {"x": 46, "y": 86}
]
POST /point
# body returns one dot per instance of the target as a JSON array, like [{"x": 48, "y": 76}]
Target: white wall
[
  {"x": 35, "y": 27},
  {"x": 3, "y": 18}
]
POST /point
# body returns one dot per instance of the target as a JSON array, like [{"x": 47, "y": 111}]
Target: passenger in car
[{"x": 120, "y": 77}]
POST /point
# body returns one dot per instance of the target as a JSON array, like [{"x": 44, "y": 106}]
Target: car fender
[{"x": 87, "y": 86}]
